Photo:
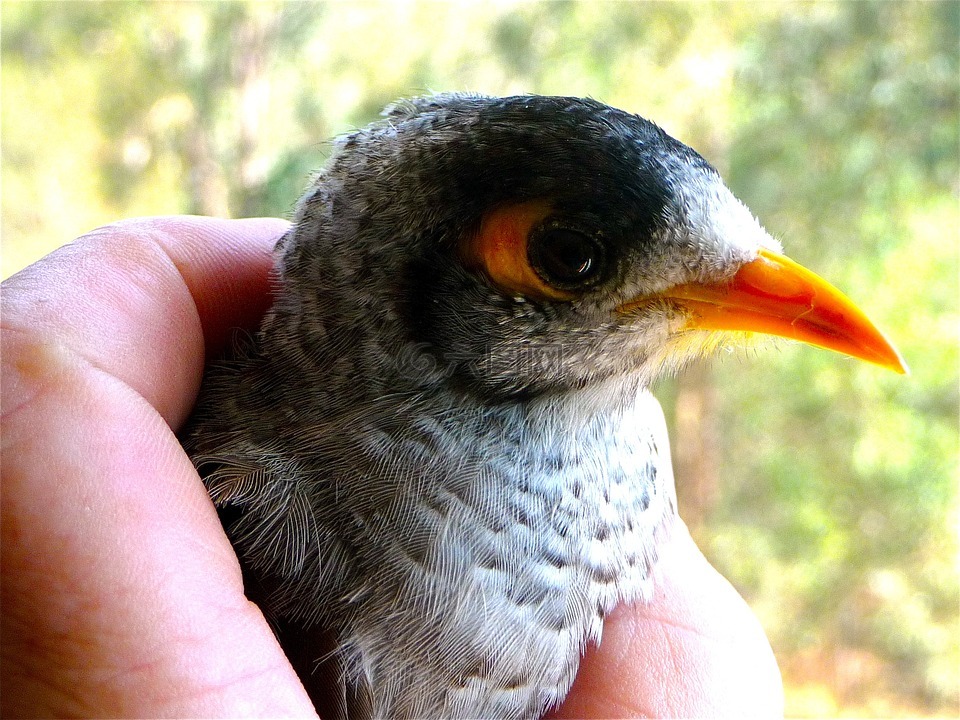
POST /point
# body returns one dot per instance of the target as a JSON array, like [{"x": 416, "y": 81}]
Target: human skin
[{"x": 120, "y": 594}]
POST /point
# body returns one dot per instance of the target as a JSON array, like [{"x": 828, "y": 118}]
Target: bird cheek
[
  {"x": 678, "y": 321},
  {"x": 655, "y": 318}
]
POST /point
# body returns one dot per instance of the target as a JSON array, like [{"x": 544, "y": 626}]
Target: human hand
[
  {"x": 120, "y": 592},
  {"x": 695, "y": 650}
]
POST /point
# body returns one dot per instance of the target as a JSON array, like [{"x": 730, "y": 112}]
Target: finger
[
  {"x": 120, "y": 592},
  {"x": 695, "y": 650},
  {"x": 226, "y": 267},
  {"x": 138, "y": 300}
]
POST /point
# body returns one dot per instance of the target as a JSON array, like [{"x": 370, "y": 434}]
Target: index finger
[{"x": 142, "y": 300}]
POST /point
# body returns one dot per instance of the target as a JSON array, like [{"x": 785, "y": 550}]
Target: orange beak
[{"x": 776, "y": 296}]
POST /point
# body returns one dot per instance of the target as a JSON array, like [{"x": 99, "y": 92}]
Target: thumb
[{"x": 694, "y": 650}]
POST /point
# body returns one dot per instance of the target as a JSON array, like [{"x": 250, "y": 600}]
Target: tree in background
[{"x": 825, "y": 490}]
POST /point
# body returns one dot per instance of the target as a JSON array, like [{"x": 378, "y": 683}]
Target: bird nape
[{"x": 438, "y": 459}]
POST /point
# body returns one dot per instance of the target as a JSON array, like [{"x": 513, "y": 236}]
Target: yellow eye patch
[{"x": 499, "y": 249}]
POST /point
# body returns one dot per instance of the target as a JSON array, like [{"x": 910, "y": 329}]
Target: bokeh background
[{"x": 825, "y": 489}]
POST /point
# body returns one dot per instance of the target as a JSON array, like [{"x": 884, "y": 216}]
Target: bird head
[{"x": 526, "y": 245}]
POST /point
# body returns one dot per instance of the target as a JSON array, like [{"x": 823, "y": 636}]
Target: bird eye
[
  {"x": 566, "y": 258},
  {"x": 526, "y": 253}
]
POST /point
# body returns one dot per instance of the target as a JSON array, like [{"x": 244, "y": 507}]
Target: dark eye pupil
[{"x": 565, "y": 257}]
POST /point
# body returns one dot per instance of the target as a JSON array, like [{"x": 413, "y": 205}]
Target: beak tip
[
  {"x": 886, "y": 356},
  {"x": 901, "y": 366},
  {"x": 889, "y": 356}
]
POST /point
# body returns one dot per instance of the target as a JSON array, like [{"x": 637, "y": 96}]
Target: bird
[{"x": 439, "y": 459}]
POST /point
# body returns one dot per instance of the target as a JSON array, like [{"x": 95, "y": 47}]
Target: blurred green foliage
[{"x": 825, "y": 489}]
